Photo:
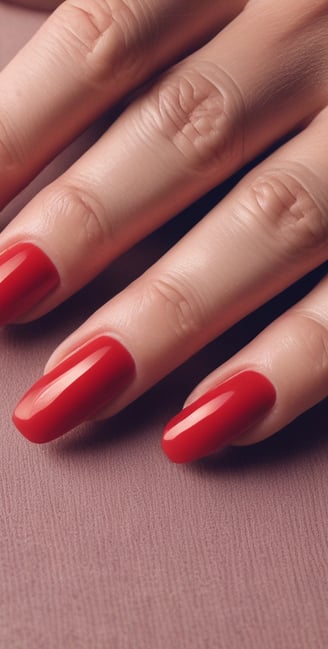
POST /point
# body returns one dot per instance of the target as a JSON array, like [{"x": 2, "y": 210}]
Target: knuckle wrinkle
[
  {"x": 284, "y": 205},
  {"x": 179, "y": 306},
  {"x": 197, "y": 115},
  {"x": 106, "y": 34}
]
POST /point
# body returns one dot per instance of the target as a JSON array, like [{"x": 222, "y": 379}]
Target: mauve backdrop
[{"x": 106, "y": 545}]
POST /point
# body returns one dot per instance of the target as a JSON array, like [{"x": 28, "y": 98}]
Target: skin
[{"x": 253, "y": 73}]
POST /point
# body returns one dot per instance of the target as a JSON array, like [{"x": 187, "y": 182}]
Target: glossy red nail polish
[
  {"x": 74, "y": 390},
  {"x": 218, "y": 417},
  {"x": 26, "y": 276}
]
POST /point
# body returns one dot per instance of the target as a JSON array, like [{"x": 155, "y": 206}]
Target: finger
[
  {"x": 273, "y": 380},
  {"x": 85, "y": 57},
  {"x": 46, "y": 5},
  {"x": 274, "y": 224},
  {"x": 203, "y": 120}
]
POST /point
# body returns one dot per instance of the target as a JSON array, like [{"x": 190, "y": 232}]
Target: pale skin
[{"x": 255, "y": 72}]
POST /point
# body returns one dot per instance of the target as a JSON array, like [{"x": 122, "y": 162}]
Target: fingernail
[
  {"x": 75, "y": 390},
  {"x": 26, "y": 276},
  {"x": 218, "y": 417}
]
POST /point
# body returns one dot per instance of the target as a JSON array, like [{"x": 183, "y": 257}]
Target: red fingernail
[
  {"x": 218, "y": 417},
  {"x": 26, "y": 276},
  {"x": 74, "y": 390}
]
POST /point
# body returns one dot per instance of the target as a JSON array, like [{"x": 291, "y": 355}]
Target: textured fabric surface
[{"x": 106, "y": 545}]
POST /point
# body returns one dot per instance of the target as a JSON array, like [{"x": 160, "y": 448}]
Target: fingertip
[
  {"x": 218, "y": 417},
  {"x": 75, "y": 390},
  {"x": 27, "y": 276}
]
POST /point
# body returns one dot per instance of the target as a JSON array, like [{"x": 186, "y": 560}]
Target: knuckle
[
  {"x": 78, "y": 211},
  {"x": 198, "y": 112},
  {"x": 313, "y": 338},
  {"x": 286, "y": 209},
  {"x": 12, "y": 155},
  {"x": 103, "y": 35},
  {"x": 182, "y": 311}
]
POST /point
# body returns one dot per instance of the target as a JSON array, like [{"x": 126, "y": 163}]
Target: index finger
[{"x": 85, "y": 57}]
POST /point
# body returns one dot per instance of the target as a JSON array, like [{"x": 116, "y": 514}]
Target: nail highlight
[
  {"x": 75, "y": 390},
  {"x": 26, "y": 276},
  {"x": 218, "y": 417}
]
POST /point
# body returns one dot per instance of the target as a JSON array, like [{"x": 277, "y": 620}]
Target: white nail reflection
[
  {"x": 198, "y": 415},
  {"x": 10, "y": 265},
  {"x": 36, "y": 401}
]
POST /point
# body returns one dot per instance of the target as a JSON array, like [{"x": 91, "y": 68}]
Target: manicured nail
[
  {"x": 26, "y": 276},
  {"x": 218, "y": 417},
  {"x": 75, "y": 390}
]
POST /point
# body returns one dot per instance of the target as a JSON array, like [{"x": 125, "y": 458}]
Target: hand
[{"x": 254, "y": 73}]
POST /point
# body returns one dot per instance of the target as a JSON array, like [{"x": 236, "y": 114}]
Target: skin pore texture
[{"x": 217, "y": 84}]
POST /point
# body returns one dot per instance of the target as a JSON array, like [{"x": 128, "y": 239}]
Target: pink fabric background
[{"x": 106, "y": 545}]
